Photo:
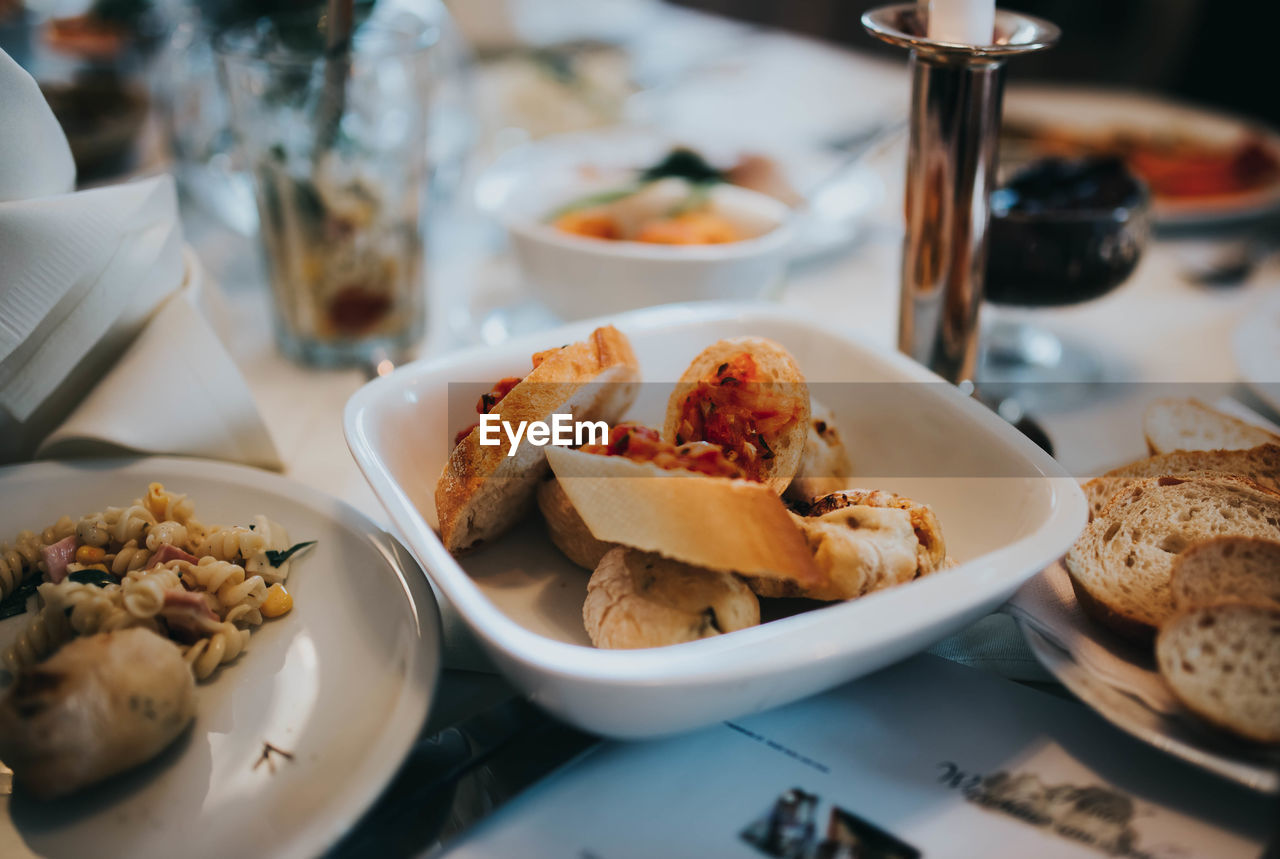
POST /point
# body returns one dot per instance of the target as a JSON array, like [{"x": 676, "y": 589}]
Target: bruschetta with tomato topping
[
  {"x": 483, "y": 491},
  {"x": 747, "y": 396}
]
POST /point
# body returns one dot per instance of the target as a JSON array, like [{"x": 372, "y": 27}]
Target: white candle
[{"x": 969, "y": 22}]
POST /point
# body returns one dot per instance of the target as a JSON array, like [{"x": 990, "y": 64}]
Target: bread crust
[
  {"x": 1222, "y": 717},
  {"x": 566, "y": 528},
  {"x": 636, "y": 599},
  {"x": 718, "y": 523},
  {"x": 781, "y": 371},
  {"x": 1229, "y": 432},
  {"x": 1087, "y": 554},
  {"x": 1262, "y": 461},
  {"x": 481, "y": 491}
]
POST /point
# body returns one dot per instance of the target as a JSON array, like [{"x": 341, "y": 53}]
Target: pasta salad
[{"x": 151, "y": 565}]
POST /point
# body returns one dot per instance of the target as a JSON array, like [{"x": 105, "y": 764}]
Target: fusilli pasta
[{"x": 133, "y": 567}]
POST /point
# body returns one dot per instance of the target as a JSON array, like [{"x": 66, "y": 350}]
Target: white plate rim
[
  {"x": 410, "y": 713},
  {"x": 1072, "y": 676},
  {"x": 639, "y": 668}
]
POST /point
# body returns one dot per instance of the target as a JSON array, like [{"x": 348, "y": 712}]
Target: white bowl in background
[
  {"x": 1007, "y": 510},
  {"x": 578, "y": 277}
]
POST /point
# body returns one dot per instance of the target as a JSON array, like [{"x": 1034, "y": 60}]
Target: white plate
[
  {"x": 1176, "y": 733},
  {"x": 1256, "y": 346},
  {"x": 343, "y": 681},
  {"x": 831, "y": 221},
  {"x": 1100, "y": 111},
  {"x": 523, "y": 600}
]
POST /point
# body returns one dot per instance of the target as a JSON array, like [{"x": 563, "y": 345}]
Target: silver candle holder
[{"x": 956, "y": 95}]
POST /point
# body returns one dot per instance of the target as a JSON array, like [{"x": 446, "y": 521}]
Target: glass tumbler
[{"x": 335, "y": 141}]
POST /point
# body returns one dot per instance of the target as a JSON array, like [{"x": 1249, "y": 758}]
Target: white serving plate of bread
[
  {"x": 1007, "y": 509},
  {"x": 1177, "y": 578}
]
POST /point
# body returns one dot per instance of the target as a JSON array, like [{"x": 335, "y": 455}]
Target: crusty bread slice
[
  {"x": 1187, "y": 424},
  {"x": 482, "y": 491},
  {"x": 1243, "y": 568},
  {"x": 1121, "y": 565},
  {"x": 715, "y": 522},
  {"x": 824, "y": 466},
  {"x": 570, "y": 534},
  {"x": 782, "y": 382},
  {"x": 636, "y": 599},
  {"x": 1222, "y": 661},
  {"x": 1260, "y": 464}
]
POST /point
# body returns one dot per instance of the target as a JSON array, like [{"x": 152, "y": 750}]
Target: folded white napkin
[
  {"x": 1048, "y": 605},
  {"x": 37, "y": 159},
  {"x": 200, "y": 404},
  {"x": 99, "y": 326}
]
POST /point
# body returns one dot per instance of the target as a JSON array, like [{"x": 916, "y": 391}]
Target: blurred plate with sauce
[{"x": 1204, "y": 167}]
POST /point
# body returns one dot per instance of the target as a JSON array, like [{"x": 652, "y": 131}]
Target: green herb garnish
[
  {"x": 93, "y": 577},
  {"x": 16, "y": 602},
  {"x": 275, "y": 558},
  {"x": 682, "y": 163}
]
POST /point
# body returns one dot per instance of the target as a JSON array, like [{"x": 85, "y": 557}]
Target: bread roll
[
  {"x": 864, "y": 540},
  {"x": 570, "y": 534},
  {"x": 100, "y": 705},
  {"x": 636, "y": 600}
]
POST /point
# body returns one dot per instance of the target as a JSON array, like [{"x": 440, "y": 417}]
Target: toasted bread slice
[
  {"x": 1187, "y": 424},
  {"x": 719, "y": 523},
  {"x": 1260, "y": 464},
  {"x": 1122, "y": 564},
  {"x": 1243, "y": 568},
  {"x": 824, "y": 466},
  {"x": 1222, "y": 662},
  {"x": 727, "y": 405},
  {"x": 864, "y": 540},
  {"x": 482, "y": 491},
  {"x": 636, "y": 599},
  {"x": 570, "y": 534}
]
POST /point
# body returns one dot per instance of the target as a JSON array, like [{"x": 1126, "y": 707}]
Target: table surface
[{"x": 1157, "y": 328}]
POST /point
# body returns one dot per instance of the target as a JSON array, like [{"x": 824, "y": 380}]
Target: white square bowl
[{"x": 1007, "y": 510}]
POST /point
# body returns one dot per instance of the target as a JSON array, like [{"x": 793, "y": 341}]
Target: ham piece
[
  {"x": 167, "y": 553},
  {"x": 57, "y": 555}
]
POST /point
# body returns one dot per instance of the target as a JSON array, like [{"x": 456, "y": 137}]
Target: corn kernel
[
  {"x": 278, "y": 601},
  {"x": 89, "y": 554}
]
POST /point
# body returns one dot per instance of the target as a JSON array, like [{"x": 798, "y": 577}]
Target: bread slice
[
  {"x": 1222, "y": 662},
  {"x": 635, "y": 599},
  {"x": 1244, "y": 568},
  {"x": 824, "y": 466},
  {"x": 1260, "y": 464},
  {"x": 570, "y": 534},
  {"x": 779, "y": 388},
  {"x": 1122, "y": 563},
  {"x": 719, "y": 523},
  {"x": 482, "y": 491},
  {"x": 1187, "y": 424}
]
